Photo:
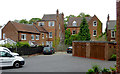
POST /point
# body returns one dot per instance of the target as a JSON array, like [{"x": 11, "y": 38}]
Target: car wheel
[
  {"x": 67, "y": 52},
  {"x": 16, "y": 65}
]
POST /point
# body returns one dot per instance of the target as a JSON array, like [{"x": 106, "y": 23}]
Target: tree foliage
[
  {"x": 84, "y": 34},
  {"x": 24, "y": 21},
  {"x": 34, "y": 20}
]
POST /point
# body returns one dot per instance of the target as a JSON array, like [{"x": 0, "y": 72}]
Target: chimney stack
[
  {"x": 108, "y": 18},
  {"x": 118, "y": 37},
  {"x": 57, "y": 12}
]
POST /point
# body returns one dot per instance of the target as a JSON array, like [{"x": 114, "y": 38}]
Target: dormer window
[
  {"x": 40, "y": 23},
  {"x": 74, "y": 23},
  {"x": 94, "y": 23}
]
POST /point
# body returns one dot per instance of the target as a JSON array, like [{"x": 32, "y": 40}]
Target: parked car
[
  {"x": 8, "y": 59},
  {"x": 7, "y": 50},
  {"x": 48, "y": 50},
  {"x": 69, "y": 49}
]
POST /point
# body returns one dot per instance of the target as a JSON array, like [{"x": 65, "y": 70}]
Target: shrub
[
  {"x": 90, "y": 71},
  {"x": 22, "y": 44},
  {"x": 96, "y": 68},
  {"x": 105, "y": 70},
  {"x": 113, "y": 69},
  {"x": 113, "y": 56},
  {"x": 7, "y": 45}
]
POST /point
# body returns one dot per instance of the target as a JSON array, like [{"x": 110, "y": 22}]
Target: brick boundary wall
[{"x": 118, "y": 36}]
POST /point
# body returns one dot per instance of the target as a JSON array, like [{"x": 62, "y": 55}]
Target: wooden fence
[{"x": 27, "y": 50}]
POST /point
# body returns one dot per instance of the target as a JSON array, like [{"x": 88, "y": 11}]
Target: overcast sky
[{"x": 27, "y": 9}]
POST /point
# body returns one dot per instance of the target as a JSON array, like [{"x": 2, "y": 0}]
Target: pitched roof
[
  {"x": 40, "y": 29},
  {"x": 24, "y": 27},
  {"x": 0, "y": 26},
  {"x": 51, "y": 17},
  {"x": 77, "y": 19},
  {"x": 111, "y": 24}
]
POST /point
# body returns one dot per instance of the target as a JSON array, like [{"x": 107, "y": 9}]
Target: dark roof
[
  {"x": 24, "y": 27},
  {"x": 40, "y": 29},
  {"x": 77, "y": 19},
  {"x": 0, "y": 26},
  {"x": 50, "y": 17},
  {"x": 95, "y": 42},
  {"x": 111, "y": 24}
]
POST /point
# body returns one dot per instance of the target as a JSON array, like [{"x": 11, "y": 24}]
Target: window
[
  {"x": 112, "y": 34},
  {"x": 59, "y": 34},
  {"x": 3, "y": 35},
  {"x": 23, "y": 36},
  {"x": 32, "y": 37},
  {"x": 59, "y": 26},
  {"x": 74, "y": 23},
  {"x": 51, "y": 23},
  {"x": 37, "y": 37},
  {"x": 50, "y": 34},
  {"x": 46, "y": 35},
  {"x": 50, "y": 43},
  {"x": 47, "y": 43},
  {"x": 42, "y": 43},
  {"x": 40, "y": 23},
  {"x": 94, "y": 32},
  {"x": 5, "y": 54},
  {"x": 94, "y": 23},
  {"x": 42, "y": 35},
  {"x": 73, "y": 32}
]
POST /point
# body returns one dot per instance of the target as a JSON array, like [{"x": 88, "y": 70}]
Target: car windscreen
[{"x": 46, "y": 48}]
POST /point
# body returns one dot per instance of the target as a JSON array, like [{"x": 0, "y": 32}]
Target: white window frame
[
  {"x": 3, "y": 35},
  {"x": 111, "y": 34},
  {"x": 94, "y": 23},
  {"x": 32, "y": 36},
  {"x": 40, "y": 23},
  {"x": 50, "y": 36},
  {"x": 42, "y": 43},
  {"x": 74, "y": 23},
  {"x": 93, "y": 32},
  {"x": 42, "y": 35},
  {"x": 72, "y": 32},
  {"x": 37, "y": 37},
  {"x": 49, "y": 23},
  {"x": 50, "y": 43},
  {"x": 46, "y": 35},
  {"x": 59, "y": 26},
  {"x": 24, "y": 37}
]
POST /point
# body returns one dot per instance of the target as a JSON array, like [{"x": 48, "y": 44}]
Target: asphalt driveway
[{"x": 59, "y": 62}]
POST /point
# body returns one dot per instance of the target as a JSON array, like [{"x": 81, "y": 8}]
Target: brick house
[
  {"x": 95, "y": 25},
  {"x": 43, "y": 32},
  {"x": 54, "y": 25},
  {"x": 20, "y": 32},
  {"x": 110, "y": 29}
]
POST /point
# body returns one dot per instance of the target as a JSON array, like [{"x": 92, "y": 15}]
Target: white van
[
  {"x": 7, "y": 50},
  {"x": 8, "y": 59}
]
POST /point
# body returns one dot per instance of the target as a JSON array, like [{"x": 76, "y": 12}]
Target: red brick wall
[
  {"x": 28, "y": 37},
  {"x": 10, "y": 32},
  {"x": 109, "y": 36},
  {"x": 118, "y": 36},
  {"x": 91, "y": 27}
]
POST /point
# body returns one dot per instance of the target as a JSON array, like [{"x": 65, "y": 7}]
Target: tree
[
  {"x": 34, "y": 20},
  {"x": 83, "y": 15},
  {"x": 84, "y": 34},
  {"x": 24, "y": 21},
  {"x": 67, "y": 36},
  {"x": 16, "y": 21}
]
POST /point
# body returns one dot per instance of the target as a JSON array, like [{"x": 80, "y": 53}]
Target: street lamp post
[{"x": 118, "y": 36}]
